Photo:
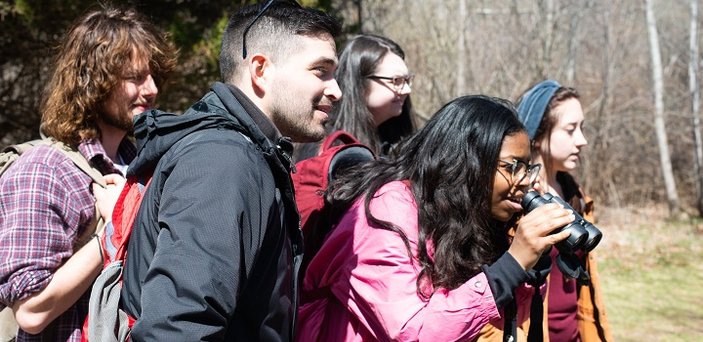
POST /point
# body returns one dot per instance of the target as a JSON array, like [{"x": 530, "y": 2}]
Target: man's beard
[
  {"x": 122, "y": 120},
  {"x": 295, "y": 118}
]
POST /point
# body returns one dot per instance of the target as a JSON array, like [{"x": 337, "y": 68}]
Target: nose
[
  {"x": 148, "y": 88},
  {"x": 524, "y": 183},
  {"x": 579, "y": 138},
  {"x": 405, "y": 89},
  {"x": 332, "y": 90}
]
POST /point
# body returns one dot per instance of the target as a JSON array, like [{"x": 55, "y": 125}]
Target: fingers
[
  {"x": 114, "y": 178},
  {"x": 105, "y": 198},
  {"x": 543, "y": 220},
  {"x": 533, "y": 235},
  {"x": 554, "y": 238}
]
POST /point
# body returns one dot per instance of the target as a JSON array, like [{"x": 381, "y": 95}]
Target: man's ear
[{"x": 260, "y": 70}]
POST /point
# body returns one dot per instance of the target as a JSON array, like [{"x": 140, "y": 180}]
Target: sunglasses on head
[{"x": 258, "y": 15}]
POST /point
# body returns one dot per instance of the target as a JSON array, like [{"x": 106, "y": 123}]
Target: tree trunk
[
  {"x": 359, "y": 13},
  {"x": 547, "y": 7},
  {"x": 461, "y": 56},
  {"x": 573, "y": 42},
  {"x": 695, "y": 104},
  {"x": 659, "y": 125}
]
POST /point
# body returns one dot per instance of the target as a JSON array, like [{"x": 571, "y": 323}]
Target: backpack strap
[
  {"x": 340, "y": 135},
  {"x": 11, "y": 153},
  {"x": 98, "y": 224},
  {"x": 78, "y": 159},
  {"x": 107, "y": 321}
]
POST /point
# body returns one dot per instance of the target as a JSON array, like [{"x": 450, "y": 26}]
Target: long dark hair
[
  {"x": 357, "y": 62},
  {"x": 450, "y": 164}
]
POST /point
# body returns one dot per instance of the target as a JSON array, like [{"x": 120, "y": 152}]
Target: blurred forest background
[{"x": 637, "y": 73}]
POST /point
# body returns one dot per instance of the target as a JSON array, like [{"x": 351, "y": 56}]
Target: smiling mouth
[{"x": 324, "y": 108}]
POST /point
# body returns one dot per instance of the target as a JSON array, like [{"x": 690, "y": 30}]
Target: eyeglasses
[
  {"x": 397, "y": 82},
  {"x": 257, "y": 16},
  {"x": 519, "y": 170}
]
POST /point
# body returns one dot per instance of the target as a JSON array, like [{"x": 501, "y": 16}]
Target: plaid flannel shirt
[{"x": 46, "y": 202}]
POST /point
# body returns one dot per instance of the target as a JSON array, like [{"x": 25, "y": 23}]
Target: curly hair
[
  {"x": 89, "y": 64},
  {"x": 450, "y": 164}
]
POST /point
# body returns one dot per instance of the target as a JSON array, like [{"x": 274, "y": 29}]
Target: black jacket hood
[{"x": 156, "y": 131}]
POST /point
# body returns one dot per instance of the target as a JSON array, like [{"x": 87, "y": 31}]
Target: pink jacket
[{"x": 361, "y": 286}]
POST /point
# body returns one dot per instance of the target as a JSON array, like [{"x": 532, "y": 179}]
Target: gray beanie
[{"x": 534, "y": 103}]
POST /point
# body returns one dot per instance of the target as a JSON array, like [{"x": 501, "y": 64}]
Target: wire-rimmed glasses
[{"x": 519, "y": 170}]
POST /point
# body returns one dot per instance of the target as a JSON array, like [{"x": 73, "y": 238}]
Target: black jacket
[{"x": 216, "y": 245}]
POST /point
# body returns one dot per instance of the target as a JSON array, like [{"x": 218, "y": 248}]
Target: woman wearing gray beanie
[{"x": 553, "y": 116}]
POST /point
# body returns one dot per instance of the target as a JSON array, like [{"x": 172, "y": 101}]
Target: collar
[
  {"x": 264, "y": 124},
  {"x": 93, "y": 150}
]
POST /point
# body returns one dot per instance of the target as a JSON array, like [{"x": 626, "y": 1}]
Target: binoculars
[{"x": 583, "y": 235}]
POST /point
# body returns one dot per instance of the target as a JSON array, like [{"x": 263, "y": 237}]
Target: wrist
[
  {"x": 519, "y": 258},
  {"x": 96, "y": 238}
]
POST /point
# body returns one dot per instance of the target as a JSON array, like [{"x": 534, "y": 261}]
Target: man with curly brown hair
[{"x": 108, "y": 68}]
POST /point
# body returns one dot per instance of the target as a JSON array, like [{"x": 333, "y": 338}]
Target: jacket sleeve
[
  {"x": 382, "y": 291},
  {"x": 211, "y": 200}
]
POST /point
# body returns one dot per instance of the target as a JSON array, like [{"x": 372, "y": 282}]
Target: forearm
[
  {"x": 68, "y": 284},
  {"x": 504, "y": 276}
]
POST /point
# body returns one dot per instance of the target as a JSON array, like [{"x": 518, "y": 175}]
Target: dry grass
[{"x": 652, "y": 274}]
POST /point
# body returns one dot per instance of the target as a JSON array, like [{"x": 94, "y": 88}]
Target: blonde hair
[{"x": 89, "y": 64}]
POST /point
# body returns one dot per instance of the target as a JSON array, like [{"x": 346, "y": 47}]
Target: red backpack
[
  {"x": 310, "y": 182},
  {"x": 106, "y": 321},
  {"x": 313, "y": 175}
]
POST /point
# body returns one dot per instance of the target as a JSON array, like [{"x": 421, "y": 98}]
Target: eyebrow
[
  {"x": 518, "y": 158},
  {"x": 325, "y": 60}
]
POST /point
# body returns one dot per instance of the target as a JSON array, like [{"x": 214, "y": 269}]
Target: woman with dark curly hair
[{"x": 418, "y": 250}]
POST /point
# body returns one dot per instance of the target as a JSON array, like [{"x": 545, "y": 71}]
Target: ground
[{"x": 652, "y": 274}]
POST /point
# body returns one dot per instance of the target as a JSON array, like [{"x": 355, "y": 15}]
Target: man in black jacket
[{"x": 216, "y": 245}]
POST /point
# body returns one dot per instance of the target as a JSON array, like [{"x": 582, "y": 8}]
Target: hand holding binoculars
[{"x": 583, "y": 235}]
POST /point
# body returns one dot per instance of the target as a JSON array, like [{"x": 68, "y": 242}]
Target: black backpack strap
[{"x": 537, "y": 277}]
